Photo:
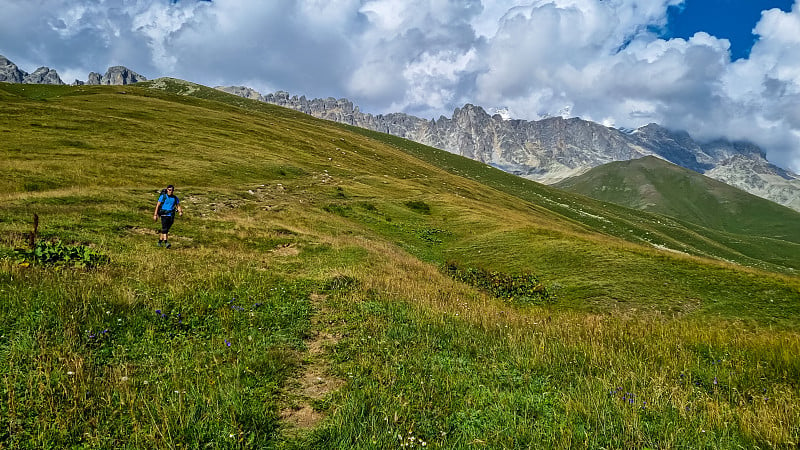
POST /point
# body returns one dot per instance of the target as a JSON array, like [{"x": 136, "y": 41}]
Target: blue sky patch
[{"x": 730, "y": 19}]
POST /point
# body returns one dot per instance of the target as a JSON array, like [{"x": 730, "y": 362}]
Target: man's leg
[{"x": 166, "y": 223}]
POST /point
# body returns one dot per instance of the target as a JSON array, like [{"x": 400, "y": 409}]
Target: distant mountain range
[
  {"x": 548, "y": 150},
  {"x": 553, "y": 149}
]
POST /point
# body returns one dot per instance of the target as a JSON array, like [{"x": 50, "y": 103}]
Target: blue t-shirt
[{"x": 168, "y": 204}]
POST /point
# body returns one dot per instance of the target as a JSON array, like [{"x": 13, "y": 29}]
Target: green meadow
[{"x": 330, "y": 287}]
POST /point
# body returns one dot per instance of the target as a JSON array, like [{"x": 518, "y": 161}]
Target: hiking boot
[
  {"x": 160, "y": 242},
  {"x": 167, "y": 244}
]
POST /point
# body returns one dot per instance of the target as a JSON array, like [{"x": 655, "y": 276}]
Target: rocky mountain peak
[
  {"x": 120, "y": 75},
  {"x": 43, "y": 75},
  {"x": 9, "y": 72}
]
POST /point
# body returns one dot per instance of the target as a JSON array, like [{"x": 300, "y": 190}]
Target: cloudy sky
[{"x": 716, "y": 68}]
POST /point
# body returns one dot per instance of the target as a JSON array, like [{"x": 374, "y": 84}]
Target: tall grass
[
  {"x": 88, "y": 363},
  {"x": 454, "y": 369}
]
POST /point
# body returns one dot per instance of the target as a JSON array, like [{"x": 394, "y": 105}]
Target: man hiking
[{"x": 165, "y": 208}]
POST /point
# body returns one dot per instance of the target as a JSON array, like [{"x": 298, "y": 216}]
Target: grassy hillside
[
  {"x": 655, "y": 185},
  {"x": 306, "y": 301}
]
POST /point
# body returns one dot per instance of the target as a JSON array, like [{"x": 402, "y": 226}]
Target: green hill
[
  {"x": 330, "y": 287},
  {"x": 652, "y": 184}
]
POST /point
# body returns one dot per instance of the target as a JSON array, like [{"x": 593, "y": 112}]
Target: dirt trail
[{"x": 314, "y": 381}]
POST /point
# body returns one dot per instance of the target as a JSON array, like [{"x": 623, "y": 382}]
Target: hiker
[{"x": 166, "y": 206}]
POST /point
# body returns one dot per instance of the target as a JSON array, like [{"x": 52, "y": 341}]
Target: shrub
[
  {"x": 517, "y": 288},
  {"x": 56, "y": 253},
  {"x": 419, "y": 206}
]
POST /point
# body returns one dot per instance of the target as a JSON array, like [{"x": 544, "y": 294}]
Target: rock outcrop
[
  {"x": 116, "y": 75},
  {"x": 120, "y": 75},
  {"x": 94, "y": 78},
  {"x": 43, "y": 75},
  {"x": 9, "y": 72}
]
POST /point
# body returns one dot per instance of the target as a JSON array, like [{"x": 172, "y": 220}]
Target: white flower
[{"x": 70, "y": 373}]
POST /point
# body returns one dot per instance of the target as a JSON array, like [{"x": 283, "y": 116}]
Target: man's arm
[{"x": 155, "y": 213}]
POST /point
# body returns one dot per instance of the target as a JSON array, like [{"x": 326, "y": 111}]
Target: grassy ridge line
[
  {"x": 656, "y": 185},
  {"x": 423, "y": 356}
]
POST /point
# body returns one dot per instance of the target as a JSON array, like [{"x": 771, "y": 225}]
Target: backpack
[{"x": 163, "y": 212}]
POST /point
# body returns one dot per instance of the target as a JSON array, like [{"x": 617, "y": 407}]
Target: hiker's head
[{"x": 170, "y": 188}]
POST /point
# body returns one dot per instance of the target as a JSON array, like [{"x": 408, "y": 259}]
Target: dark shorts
[{"x": 166, "y": 223}]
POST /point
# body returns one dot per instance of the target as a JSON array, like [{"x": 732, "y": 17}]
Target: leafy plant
[
  {"x": 419, "y": 206},
  {"x": 431, "y": 235},
  {"x": 521, "y": 288},
  {"x": 56, "y": 253}
]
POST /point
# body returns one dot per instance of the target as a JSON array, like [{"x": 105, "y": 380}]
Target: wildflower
[
  {"x": 227, "y": 343},
  {"x": 124, "y": 379},
  {"x": 69, "y": 372},
  {"x": 158, "y": 311},
  {"x": 715, "y": 381}
]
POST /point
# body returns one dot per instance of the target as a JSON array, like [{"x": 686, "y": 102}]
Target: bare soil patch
[
  {"x": 313, "y": 382},
  {"x": 286, "y": 250}
]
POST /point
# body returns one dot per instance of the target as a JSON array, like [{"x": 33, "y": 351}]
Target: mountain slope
[
  {"x": 333, "y": 287},
  {"x": 762, "y": 249},
  {"x": 655, "y": 185},
  {"x": 553, "y": 149}
]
